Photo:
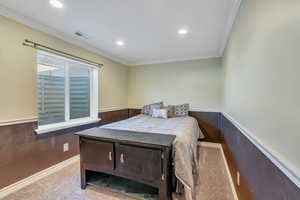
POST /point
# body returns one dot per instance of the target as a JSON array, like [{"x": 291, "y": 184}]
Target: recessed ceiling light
[
  {"x": 182, "y": 31},
  {"x": 120, "y": 43},
  {"x": 56, "y": 3}
]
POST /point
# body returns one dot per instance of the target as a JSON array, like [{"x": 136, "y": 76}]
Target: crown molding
[
  {"x": 172, "y": 60},
  {"x": 231, "y": 20},
  {"x": 28, "y": 21},
  {"x": 33, "y": 23}
]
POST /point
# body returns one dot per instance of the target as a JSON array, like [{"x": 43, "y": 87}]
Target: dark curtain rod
[{"x": 58, "y": 52}]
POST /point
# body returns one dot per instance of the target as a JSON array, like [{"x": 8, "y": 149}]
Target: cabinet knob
[
  {"x": 109, "y": 156},
  {"x": 122, "y": 158}
]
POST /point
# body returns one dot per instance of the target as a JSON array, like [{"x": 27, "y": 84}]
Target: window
[{"x": 67, "y": 92}]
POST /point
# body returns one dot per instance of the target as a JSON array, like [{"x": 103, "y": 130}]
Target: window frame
[{"x": 94, "y": 84}]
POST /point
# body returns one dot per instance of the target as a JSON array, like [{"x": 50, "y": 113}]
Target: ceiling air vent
[{"x": 80, "y": 34}]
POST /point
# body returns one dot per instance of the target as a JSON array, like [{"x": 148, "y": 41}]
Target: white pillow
[{"x": 160, "y": 113}]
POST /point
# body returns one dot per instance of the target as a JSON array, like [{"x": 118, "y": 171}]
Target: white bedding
[{"x": 187, "y": 133}]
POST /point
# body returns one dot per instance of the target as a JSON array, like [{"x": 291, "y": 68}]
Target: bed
[{"x": 184, "y": 151}]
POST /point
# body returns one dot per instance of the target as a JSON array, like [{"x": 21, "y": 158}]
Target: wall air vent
[{"x": 80, "y": 34}]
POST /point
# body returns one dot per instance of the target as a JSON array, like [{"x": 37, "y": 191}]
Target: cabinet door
[
  {"x": 97, "y": 154},
  {"x": 140, "y": 163}
]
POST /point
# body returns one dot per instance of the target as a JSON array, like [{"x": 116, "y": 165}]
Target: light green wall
[
  {"x": 262, "y": 75},
  {"x": 18, "y": 72},
  {"x": 197, "y": 82},
  {"x": 260, "y": 66}
]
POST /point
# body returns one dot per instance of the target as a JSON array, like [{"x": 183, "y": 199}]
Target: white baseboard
[
  {"x": 210, "y": 144},
  {"x": 219, "y": 146},
  {"x": 229, "y": 174},
  {"x": 37, "y": 176}
]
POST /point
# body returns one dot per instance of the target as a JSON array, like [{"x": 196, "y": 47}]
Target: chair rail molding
[{"x": 285, "y": 166}]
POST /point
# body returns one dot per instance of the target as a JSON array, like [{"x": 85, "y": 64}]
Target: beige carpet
[{"x": 65, "y": 184}]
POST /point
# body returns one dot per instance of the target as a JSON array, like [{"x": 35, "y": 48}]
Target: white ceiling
[{"x": 148, "y": 27}]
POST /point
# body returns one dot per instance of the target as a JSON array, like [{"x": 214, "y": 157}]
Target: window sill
[{"x": 64, "y": 125}]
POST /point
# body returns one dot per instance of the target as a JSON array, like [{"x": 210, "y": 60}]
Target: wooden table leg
[{"x": 83, "y": 178}]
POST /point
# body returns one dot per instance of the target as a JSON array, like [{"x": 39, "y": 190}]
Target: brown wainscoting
[
  {"x": 260, "y": 179},
  {"x": 113, "y": 116},
  {"x": 209, "y": 125},
  {"x": 22, "y": 153},
  {"x": 133, "y": 112}
]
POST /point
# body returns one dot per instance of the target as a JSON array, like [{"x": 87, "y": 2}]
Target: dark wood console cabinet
[{"x": 143, "y": 157}]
